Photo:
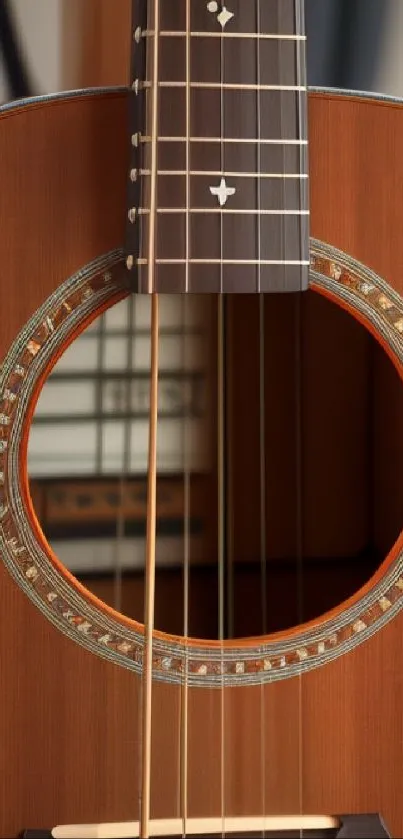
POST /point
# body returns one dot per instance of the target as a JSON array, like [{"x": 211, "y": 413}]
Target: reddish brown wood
[{"x": 69, "y": 721}]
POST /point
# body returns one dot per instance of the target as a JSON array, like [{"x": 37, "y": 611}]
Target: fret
[
  {"x": 227, "y": 236},
  {"x": 256, "y": 36},
  {"x": 277, "y": 62},
  {"x": 217, "y": 86},
  {"x": 277, "y": 16},
  {"x": 279, "y": 113},
  {"x": 233, "y": 277},
  {"x": 275, "y": 195},
  {"x": 143, "y": 211},
  {"x": 222, "y": 140},
  {"x": 277, "y": 159},
  {"x": 219, "y": 165},
  {"x": 179, "y": 261},
  {"x": 218, "y": 174}
]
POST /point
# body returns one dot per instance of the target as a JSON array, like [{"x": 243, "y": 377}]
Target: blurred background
[
  {"x": 88, "y": 444},
  {"x": 64, "y": 43}
]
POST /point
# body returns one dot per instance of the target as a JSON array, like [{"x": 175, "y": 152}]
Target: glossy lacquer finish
[{"x": 69, "y": 723}]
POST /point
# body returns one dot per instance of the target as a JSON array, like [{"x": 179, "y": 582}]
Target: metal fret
[
  {"x": 143, "y": 211},
  {"x": 180, "y": 261},
  {"x": 250, "y": 140},
  {"x": 147, "y": 85},
  {"x": 278, "y": 17},
  {"x": 239, "y": 204},
  {"x": 253, "y": 36},
  {"x": 217, "y": 174}
]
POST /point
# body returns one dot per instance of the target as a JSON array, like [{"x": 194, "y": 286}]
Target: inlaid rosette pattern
[{"x": 77, "y": 613}]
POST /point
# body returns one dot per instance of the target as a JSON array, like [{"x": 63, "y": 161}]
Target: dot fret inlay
[{"x": 224, "y": 16}]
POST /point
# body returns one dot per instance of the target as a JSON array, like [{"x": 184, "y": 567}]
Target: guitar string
[
  {"x": 298, "y": 426},
  {"x": 147, "y": 674},
  {"x": 221, "y": 433},
  {"x": 221, "y": 452},
  {"x": 221, "y": 547},
  {"x": 184, "y": 723},
  {"x": 229, "y": 426},
  {"x": 262, "y": 420},
  {"x": 147, "y": 682},
  {"x": 297, "y": 364},
  {"x": 299, "y": 501},
  {"x": 125, "y": 468},
  {"x": 143, "y": 17},
  {"x": 184, "y": 704}
]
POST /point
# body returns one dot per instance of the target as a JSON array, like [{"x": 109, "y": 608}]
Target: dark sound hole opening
[
  {"x": 333, "y": 412},
  {"x": 333, "y": 486}
]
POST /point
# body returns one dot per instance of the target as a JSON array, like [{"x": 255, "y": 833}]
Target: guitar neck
[{"x": 218, "y": 187}]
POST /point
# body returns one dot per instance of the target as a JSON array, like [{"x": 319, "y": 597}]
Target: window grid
[{"x": 92, "y": 415}]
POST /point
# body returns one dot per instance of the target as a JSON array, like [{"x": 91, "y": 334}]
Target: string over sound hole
[{"x": 343, "y": 370}]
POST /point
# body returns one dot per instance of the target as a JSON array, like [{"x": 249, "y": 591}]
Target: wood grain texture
[{"x": 69, "y": 722}]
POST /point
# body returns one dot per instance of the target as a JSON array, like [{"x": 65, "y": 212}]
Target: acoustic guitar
[{"x": 263, "y": 696}]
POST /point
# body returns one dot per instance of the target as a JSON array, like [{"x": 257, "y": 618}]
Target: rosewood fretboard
[{"x": 219, "y": 147}]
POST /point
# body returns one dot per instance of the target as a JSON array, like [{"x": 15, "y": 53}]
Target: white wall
[
  {"x": 40, "y": 28},
  {"x": 390, "y": 75},
  {"x": 40, "y": 23}
]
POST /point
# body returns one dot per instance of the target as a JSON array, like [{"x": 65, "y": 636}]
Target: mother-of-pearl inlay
[
  {"x": 74, "y": 610},
  {"x": 224, "y": 16}
]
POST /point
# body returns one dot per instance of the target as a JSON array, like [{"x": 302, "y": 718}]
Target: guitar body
[{"x": 69, "y": 723}]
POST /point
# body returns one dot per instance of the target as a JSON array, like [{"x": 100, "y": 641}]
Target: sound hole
[{"x": 330, "y": 485}]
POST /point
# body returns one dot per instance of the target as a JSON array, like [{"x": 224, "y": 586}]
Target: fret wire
[
  {"x": 297, "y": 139},
  {"x": 264, "y": 36},
  {"x": 181, "y": 261},
  {"x": 251, "y": 140},
  {"x": 147, "y": 85},
  {"x": 217, "y": 174},
  {"x": 144, "y": 211}
]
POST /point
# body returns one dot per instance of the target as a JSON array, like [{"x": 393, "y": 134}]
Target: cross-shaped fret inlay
[
  {"x": 231, "y": 174},
  {"x": 222, "y": 192}
]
